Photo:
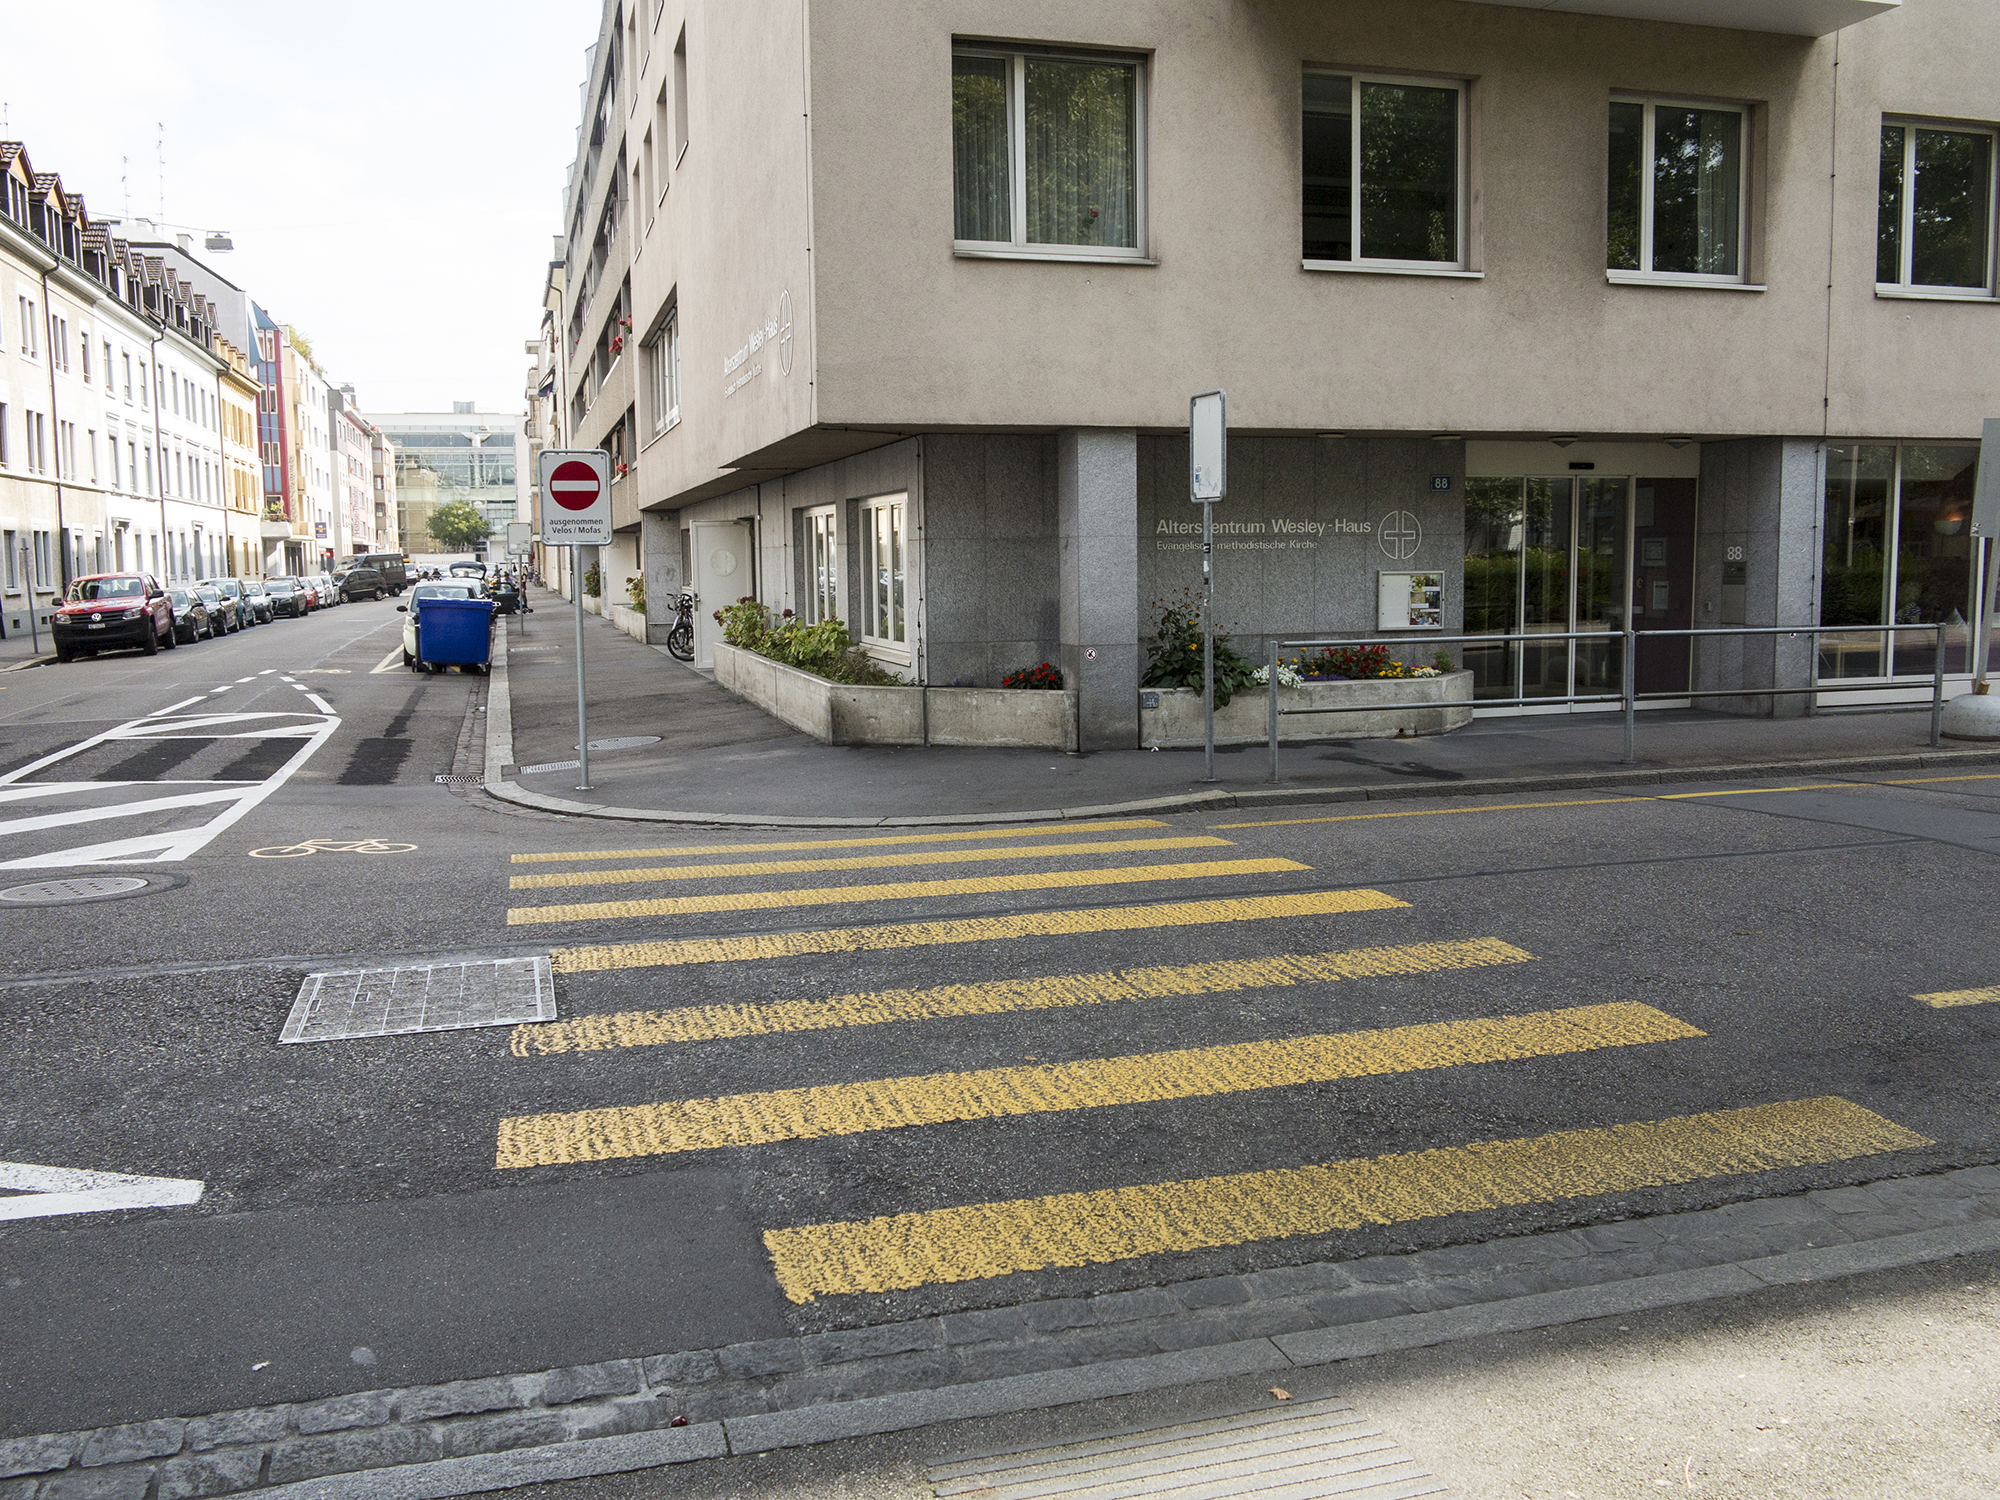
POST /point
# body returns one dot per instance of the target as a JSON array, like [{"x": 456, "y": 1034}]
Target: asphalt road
[{"x": 766, "y": 1042}]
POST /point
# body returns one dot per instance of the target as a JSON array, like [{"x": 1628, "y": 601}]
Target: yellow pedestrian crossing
[
  {"x": 909, "y": 890},
  {"x": 701, "y": 1023},
  {"x": 1095, "y": 1083},
  {"x": 859, "y": 862},
  {"x": 1946, "y": 998},
  {"x": 1004, "y": 927},
  {"x": 980, "y": 1240},
  {"x": 1026, "y": 830}
]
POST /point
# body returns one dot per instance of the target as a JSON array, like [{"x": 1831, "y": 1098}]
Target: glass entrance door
[{"x": 1663, "y": 582}]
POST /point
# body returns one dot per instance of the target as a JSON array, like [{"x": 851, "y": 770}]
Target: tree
[{"x": 457, "y": 526}]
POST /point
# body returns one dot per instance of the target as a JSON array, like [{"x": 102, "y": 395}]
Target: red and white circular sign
[{"x": 573, "y": 485}]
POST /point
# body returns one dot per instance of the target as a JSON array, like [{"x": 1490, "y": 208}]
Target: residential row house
[
  {"x": 1565, "y": 319},
  {"x": 153, "y": 417}
]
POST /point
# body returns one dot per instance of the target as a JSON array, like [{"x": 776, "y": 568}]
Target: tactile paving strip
[
  {"x": 341, "y": 1004},
  {"x": 1297, "y": 1451}
]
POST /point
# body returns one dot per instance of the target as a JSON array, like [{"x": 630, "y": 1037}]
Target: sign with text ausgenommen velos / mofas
[{"x": 576, "y": 492}]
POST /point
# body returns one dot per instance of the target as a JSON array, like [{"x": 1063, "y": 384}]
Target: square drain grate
[
  {"x": 1297, "y": 1451},
  {"x": 345, "y": 1003}
]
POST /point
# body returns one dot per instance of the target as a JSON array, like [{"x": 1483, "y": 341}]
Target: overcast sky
[{"x": 391, "y": 172}]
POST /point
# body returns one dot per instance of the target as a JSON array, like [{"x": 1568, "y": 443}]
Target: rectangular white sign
[
  {"x": 1208, "y": 446},
  {"x": 576, "y": 496}
]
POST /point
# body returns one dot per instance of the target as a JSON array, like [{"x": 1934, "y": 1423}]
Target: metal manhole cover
[
  {"x": 1301, "y": 1448},
  {"x": 340, "y": 1004},
  {"x": 626, "y": 742},
  {"x": 79, "y": 888}
]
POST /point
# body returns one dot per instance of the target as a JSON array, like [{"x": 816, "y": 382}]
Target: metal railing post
[
  {"x": 1937, "y": 692},
  {"x": 1271, "y": 703},
  {"x": 1630, "y": 647}
]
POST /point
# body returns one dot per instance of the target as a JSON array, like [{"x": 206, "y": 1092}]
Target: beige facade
[{"x": 764, "y": 279}]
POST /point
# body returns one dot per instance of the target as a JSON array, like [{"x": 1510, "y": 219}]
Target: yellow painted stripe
[
  {"x": 1944, "y": 998},
  {"x": 1926, "y": 780},
  {"x": 1000, "y": 928},
  {"x": 1764, "y": 791},
  {"x": 1025, "y": 831},
  {"x": 702, "y": 1023},
  {"x": 857, "y": 862},
  {"x": 1093, "y": 1083},
  {"x": 1082, "y": 1229},
  {"x": 1426, "y": 812},
  {"x": 906, "y": 890}
]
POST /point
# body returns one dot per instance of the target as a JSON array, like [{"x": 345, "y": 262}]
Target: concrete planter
[
  {"x": 1408, "y": 705},
  {"x": 835, "y": 713},
  {"x": 629, "y": 620},
  {"x": 1032, "y": 718},
  {"x": 593, "y": 604}
]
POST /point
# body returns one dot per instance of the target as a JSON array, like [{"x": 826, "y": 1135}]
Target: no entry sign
[{"x": 576, "y": 493}]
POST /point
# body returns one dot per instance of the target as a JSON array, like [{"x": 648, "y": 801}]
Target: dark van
[{"x": 388, "y": 564}]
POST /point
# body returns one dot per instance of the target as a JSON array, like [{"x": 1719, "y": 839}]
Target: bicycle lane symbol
[{"x": 330, "y": 846}]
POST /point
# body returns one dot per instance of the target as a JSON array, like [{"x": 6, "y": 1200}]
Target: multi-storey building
[
  {"x": 382, "y": 475},
  {"x": 1652, "y": 311},
  {"x": 110, "y": 403},
  {"x": 462, "y": 454},
  {"x": 237, "y": 393},
  {"x": 350, "y": 458}
]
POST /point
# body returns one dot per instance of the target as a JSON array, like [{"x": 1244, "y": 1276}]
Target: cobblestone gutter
[{"x": 624, "y": 1414}]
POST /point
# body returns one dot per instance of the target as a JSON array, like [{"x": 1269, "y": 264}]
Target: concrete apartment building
[{"x": 1677, "y": 307}]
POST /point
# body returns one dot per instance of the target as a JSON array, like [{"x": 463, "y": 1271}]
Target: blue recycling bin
[{"x": 454, "y": 632}]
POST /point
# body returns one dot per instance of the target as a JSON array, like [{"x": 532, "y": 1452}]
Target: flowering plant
[
  {"x": 1044, "y": 676},
  {"x": 617, "y": 342},
  {"x": 1288, "y": 676}
]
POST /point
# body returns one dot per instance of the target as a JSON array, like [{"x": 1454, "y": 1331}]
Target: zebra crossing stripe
[
  {"x": 979, "y": 1240},
  {"x": 1094, "y": 1083},
  {"x": 858, "y": 862},
  {"x": 702, "y": 1023},
  {"x": 1002, "y": 927},
  {"x": 908, "y": 890}
]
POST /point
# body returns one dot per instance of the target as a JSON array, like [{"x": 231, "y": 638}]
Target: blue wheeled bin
[{"x": 454, "y": 633}]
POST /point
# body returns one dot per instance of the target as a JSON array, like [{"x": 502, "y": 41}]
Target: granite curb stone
[{"x": 468, "y": 1435}]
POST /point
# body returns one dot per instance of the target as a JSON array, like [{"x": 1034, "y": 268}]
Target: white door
[{"x": 721, "y": 577}]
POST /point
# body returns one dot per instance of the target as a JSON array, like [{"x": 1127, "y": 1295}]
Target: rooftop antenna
[
  {"x": 125, "y": 184},
  {"x": 160, "y": 150}
]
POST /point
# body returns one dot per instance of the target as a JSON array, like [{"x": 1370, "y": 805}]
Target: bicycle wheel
[{"x": 680, "y": 642}]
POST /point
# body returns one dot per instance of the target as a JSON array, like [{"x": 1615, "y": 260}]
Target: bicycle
[
  {"x": 330, "y": 846},
  {"x": 680, "y": 640}
]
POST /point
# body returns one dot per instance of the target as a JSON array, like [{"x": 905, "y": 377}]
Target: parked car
[
  {"x": 393, "y": 567},
  {"x": 288, "y": 596},
  {"x": 361, "y": 582},
  {"x": 468, "y": 570},
  {"x": 260, "y": 601},
  {"x": 328, "y": 590},
  {"x": 235, "y": 603},
  {"x": 454, "y": 588},
  {"x": 192, "y": 621},
  {"x": 223, "y": 611},
  {"x": 110, "y": 610}
]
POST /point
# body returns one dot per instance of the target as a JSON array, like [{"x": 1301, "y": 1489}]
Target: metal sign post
[
  {"x": 577, "y": 482},
  {"x": 1208, "y": 481},
  {"x": 1986, "y": 530}
]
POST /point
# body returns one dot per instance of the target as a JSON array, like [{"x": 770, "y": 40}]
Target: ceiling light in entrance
[{"x": 1564, "y": 442}]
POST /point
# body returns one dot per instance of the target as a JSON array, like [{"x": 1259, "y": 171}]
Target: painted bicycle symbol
[{"x": 330, "y": 846}]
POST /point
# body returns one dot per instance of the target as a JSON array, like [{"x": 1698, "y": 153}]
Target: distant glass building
[{"x": 461, "y": 454}]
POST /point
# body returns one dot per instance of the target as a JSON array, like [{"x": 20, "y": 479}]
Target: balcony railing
[{"x": 1791, "y": 17}]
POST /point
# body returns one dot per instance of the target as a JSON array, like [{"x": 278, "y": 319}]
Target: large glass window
[
  {"x": 1383, "y": 155},
  {"x": 1934, "y": 223},
  {"x": 1675, "y": 191},
  {"x": 663, "y": 374},
  {"x": 1046, "y": 151},
  {"x": 883, "y": 562},
  {"x": 819, "y": 592},
  {"x": 1897, "y": 550}
]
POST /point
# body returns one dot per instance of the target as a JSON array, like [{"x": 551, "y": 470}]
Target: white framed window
[
  {"x": 10, "y": 558},
  {"x": 1934, "y": 220},
  {"x": 1677, "y": 193},
  {"x": 1048, "y": 153},
  {"x": 663, "y": 373},
  {"x": 85, "y": 341},
  {"x": 680, "y": 95},
  {"x": 884, "y": 569},
  {"x": 1382, "y": 167},
  {"x": 819, "y": 592},
  {"x": 128, "y": 377},
  {"x": 30, "y": 335},
  {"x": 108, "y": 377}
]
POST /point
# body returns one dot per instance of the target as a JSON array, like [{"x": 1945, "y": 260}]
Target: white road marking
[
  {"x": 46, "y": 1191},
  {"x": 172, "y": 706},
  {"x": 390, "y": 663},
  {"x": 319, "y": 703},
  {"x": 267, "y": 671},
  {"x": 120, "y": 810},
  {"x": 251, "y": 678}
]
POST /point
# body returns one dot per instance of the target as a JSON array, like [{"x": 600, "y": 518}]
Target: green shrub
[
  {"x": 635, "y": 590},
  {"x": 826, "y": 650},
  {"x": 593, "y": 581},
  {"x": 1174, "y": 655}
]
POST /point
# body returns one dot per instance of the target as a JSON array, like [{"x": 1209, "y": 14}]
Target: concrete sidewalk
[{"x": 709, "y": 757}]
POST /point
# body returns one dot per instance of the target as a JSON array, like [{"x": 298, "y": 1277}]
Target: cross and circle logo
[{"x": 1399, "y": 535}]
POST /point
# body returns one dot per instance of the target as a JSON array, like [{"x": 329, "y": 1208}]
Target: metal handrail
[{"x": 1627, "y": 696}]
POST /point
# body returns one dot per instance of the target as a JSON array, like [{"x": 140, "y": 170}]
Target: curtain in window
[
  {"x": 980, "y": 184},
  {"x": 1697, "y": 193},
  {"x": 1082, "y": 153}
]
